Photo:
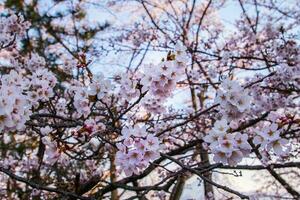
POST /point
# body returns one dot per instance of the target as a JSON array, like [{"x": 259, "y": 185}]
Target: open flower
[
  {"x": 220, "y": 156},
  {"x": 242, "y": 141},
  {"x": 221, "y": 126},
  {"x": 152, "y": 142},
  {"x": 278, "y": 146},
  {"x": 271, "y": 132},
  {"x": 235, "y": 157},
  {"x": 212, "y": 138}
]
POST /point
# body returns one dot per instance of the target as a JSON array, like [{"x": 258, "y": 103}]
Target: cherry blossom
[
  {"x": 270, "y": 138},
  {"x": 228, "y": 148},
  {"x": 162, "y": 93},
  {"x": 11, "y": 27},
  {"x": 139, "y": 148}
]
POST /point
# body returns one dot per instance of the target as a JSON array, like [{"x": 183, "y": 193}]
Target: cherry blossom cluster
[
  {"x": 11, "y": 27},
  {"x": 30, "y": 62},
  {"x": 52, "y": 152},
  {"x": 227, "y": 148},
  {"x": 154, "y": 104},
  {"x": 127, "y": 86},
  {"x": 137, "y": 150},
  {"x": 277, "y": 90},
  {"x": 81, "y": 101},
  {"x": 269, "y": 138},
  {"x": 42, "y": 82},
  {"x": 19, "y": 92},
  {"x": 100, "y": 87},
  {"x": 14, "y": 108},
  {"x": 233, "y": 99},
  {"x": 161, "y": 80}
]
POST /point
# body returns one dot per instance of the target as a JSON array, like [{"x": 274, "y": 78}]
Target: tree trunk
[{"x": 113, "y": 177}]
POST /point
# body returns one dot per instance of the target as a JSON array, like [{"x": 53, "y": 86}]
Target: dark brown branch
[
  {"x": 283, "y": 182},
  {"x": 242, "y": 196},
  {"x": 261, "y": 167},
  {"x": 41, "y": 187}
]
